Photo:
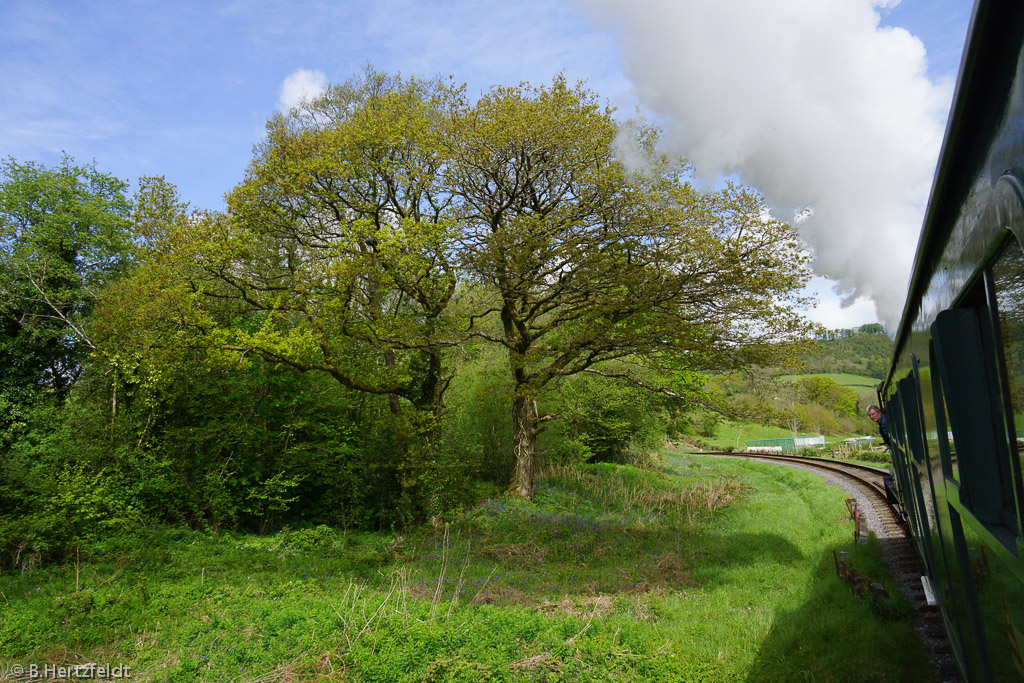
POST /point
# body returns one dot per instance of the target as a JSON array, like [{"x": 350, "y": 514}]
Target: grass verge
[{"x": 709, "y": 570}]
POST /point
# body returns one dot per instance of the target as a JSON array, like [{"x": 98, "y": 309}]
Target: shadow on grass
[
  {"x": 745, "y": 548},
  {"x": 838, "y": 636}
]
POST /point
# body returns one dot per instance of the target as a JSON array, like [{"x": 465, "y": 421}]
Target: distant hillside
[{"x": 865, "y": 351}]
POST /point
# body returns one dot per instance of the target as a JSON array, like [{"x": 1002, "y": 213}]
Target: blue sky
[{"x": 182, "y": 89}]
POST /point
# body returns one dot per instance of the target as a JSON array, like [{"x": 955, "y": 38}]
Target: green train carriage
[{"x": 954, "y": 394}]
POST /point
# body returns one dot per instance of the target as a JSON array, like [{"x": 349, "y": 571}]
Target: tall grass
[{"x": 650, "y": 496}]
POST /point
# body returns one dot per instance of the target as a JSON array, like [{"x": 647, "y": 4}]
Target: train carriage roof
[{"x": 988, "y": 86}]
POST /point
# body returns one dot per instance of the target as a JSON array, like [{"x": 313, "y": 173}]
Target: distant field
[
  {"x": 852, "y": 381},
  {"x": 735, "y": 434}
]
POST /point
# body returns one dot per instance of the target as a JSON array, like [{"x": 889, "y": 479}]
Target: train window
[
  {"x": 1008, "y": 285},
  {"x": 967, "y": 366}
]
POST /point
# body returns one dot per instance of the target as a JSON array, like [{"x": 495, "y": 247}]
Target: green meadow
[{"x": 704, "y": 569}]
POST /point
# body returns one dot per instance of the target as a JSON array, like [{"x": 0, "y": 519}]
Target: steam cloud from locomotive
[{"x": 814, "y": 104}]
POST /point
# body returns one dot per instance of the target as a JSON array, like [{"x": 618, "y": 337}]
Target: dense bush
[
  {"x": 251, "y": 448},
  {"x": 600, "y": 420},
  {"x": 245, "y": 446},
  {"x": 478, "y": 413}
]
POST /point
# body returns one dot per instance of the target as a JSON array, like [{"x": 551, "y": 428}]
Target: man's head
[{"x": 875, "y": 413}]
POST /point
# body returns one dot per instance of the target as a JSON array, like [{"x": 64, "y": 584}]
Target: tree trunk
[{"x": 525, "y": 424}]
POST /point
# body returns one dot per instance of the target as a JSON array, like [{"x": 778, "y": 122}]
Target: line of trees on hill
[
  {"x": 810, "y": 404},
  {"x": 405, "y": 291},
  {"x": 866, "y": 351}
]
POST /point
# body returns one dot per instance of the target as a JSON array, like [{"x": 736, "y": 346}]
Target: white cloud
[
  {"x": 831, "y": 312},
  {"x": 813, "y": 103},
  {"x": 303, "y": 84}
]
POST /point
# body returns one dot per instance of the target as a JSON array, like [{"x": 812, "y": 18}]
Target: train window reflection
[
  {"x": 946, "y": 446},
  {"x": 1008, "y": 282},
  {"x": 954, "y": 465}
]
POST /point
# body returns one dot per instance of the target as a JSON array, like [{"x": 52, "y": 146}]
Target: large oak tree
[
  {"x": 387, "y": 220},
  {"x": 591, "y": 261}
]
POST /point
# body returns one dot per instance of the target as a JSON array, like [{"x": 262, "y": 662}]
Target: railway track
[{"x": 873, "y": 511}]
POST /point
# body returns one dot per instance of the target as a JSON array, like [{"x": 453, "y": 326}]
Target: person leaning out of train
[{"x": 875, "y": 413}]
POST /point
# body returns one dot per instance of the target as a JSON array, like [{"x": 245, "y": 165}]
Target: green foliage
[
  {"x": 709, "y": 424},
  {"x": 734, "y": 434},
  {"x": 856, "y": 382},
  {"x": 322, "y": 538},
  {"x": 478, "y": 412},
  {"x": 826, "y": 392},
  {"x": 825, "y": 404},
  {"x": 64, "y": 234},
  {"x": 334, "y": 259},
  {"x": 269, "y": 497},
  {"x": 602, "y": 420},
  {"x": 581, "y": 257},
  {"x": 403, "y": 281},
  {"x": 55, "y": 501},
  {"x": 830, "y": 404},
  {"x": 866, "y": 351},
  {"x": 568, "y": 452},
  {"x": 249, "y": 448},
  {"x": 875, "y": 456},
  {"x": 338, "y": 239}
]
